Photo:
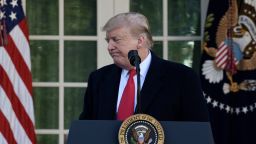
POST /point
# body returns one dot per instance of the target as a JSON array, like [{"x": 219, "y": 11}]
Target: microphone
[
  {"x": 134, "y": 57},
  {"x": 135, "y": 60}
]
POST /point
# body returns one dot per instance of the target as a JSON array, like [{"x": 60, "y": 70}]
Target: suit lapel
[
  {"x": 149, "y": 90},
  {"x": 152, "y": 82},
  {"x": 109, "y": 93}
]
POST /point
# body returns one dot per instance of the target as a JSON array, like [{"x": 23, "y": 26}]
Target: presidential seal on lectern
[{"x": 141, "y": 129}]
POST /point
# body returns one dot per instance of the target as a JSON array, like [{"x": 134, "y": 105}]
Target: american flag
[
  {"x": 16, "y": 103},
  {"x": 222, "y": 56},
  {"x": 225, "y": 58}
]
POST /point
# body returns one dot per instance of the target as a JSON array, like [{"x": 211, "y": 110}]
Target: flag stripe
[
  {"x": 18, "y": 108},
  {"x": 221, "y": 48},
  {"x": 18, "y": 131},
  {"x": 2, "y": 139},
  {"x": 221, "y": 55},
  {"x": 19, "y": 64},
  {"x": 18, "y": 85},
  {"x": 5, "y": 129},
  {"x": 22, "y": 44},
  {"x": 222, "y": 63},
  {"x": 221, "y": 59},
  {"x": 24, "y": 29}
]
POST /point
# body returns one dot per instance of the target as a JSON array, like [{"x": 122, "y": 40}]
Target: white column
[{"x": 107, "y": 9}]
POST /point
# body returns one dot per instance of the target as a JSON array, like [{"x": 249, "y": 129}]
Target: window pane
[
  {"x": 43, "y": 17},
  {"x": 184, "y": 17},
  {"x": 79, "y": 59},
  {"x": 46, "y": 107},
  {"x": 197, "y": 56},
  {"x": 44, "y": 59},
  {"x": 182, "y": 51},
  {"x": 73, "y": 105},
  {"x": 80, "y": 17},
  {"x": 158, "y": 48},
  {"x": 47, "y": 139},
  {"x": 152, "y": 9}
]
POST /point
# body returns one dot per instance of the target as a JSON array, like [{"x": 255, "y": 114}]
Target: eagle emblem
[
  {"x": 141, "y": 129},
  {"x": 141, "y": 135},
  {"x": 229, "y": 57}
]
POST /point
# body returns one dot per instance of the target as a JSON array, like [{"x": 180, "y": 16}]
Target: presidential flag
[
  {"x": 228, "y": 70},
  {"x": 16, "y": 103}
]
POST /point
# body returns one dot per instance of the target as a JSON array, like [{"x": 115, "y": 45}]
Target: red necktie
[{"x": 126, "y": 106}]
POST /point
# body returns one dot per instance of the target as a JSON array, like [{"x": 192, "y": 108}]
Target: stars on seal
[
  {"x": 245, "y": 110},
  {"x": 227, "y": 108},
  {"x": 249, "y": 51},
  {"x": 214, "y": 103},
  {"x": 208, "y": 100},
  {"x": 221, "y": 106},
  {"x": 249, "y": 12},
  {"x": 237, "y": 111},
  {"x": 251, "y": 108},
  {"x": 231, "y": 110}
]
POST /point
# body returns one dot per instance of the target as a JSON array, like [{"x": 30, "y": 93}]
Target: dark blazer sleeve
[
  {"x": 87, "y": 112},
  {"x": 192, "y": 101},
  {"x": 101, "y": 94}
]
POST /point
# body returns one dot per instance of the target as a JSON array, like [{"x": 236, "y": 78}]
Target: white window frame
[{"x": 105, "y": 10}]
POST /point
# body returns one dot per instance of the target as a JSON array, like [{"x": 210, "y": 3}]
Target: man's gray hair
[{"x": 136, "y": 22}]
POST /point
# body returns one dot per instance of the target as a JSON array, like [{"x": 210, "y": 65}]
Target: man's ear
[{"x": 141, "y": 41}]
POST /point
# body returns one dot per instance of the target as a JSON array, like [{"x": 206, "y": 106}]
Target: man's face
[{"x": 120, "y": 42}]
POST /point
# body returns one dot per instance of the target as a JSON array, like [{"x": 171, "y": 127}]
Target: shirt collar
[{"x": 144, "y": 66}]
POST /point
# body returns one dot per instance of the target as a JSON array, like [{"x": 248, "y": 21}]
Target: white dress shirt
[{"x": 144, "y": 66}]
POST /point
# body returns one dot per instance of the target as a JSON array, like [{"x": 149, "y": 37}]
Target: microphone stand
[
  {"x": 135, "y": 60},
  {"x": 138, "y": 87}
]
